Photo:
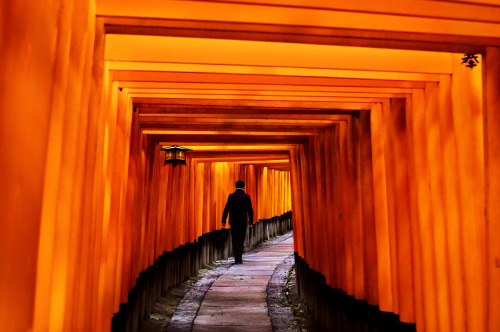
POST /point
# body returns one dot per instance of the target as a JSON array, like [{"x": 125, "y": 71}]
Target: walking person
[{"x": 238, "y": 205}]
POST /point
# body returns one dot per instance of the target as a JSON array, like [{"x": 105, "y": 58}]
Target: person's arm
[
  {"x": 226, "y": 211},
  {"x": 250, "y": 211}
]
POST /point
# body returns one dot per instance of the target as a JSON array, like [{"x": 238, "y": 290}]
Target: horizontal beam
[
  {"x": 229, "y": 99},
  {"x": 254, "y": 154},
  {"x": 229, "y": 122},
  {"x": 243, "y": 160},
  {"x": 224, "y": 78},
  {"x": 347, "y": 37},
  {"x": 276, "y": 167},
  {"x": 303, "y": 58},
  {"x": 248, "y": 128},
  {"x": 259, "y": 87},
  {"x": 482, "y": 10},
  {"x": 246, "y": 70},
  {"x": 281, "y": 133},
  {"x": 146, "y": 110},
  {"x": 235, "y": 148},
  {"x": 241, "y": 114},
  {"x": 287, "y": 23},
  {"x": 487, "y": 11},
  {"x": 240, "y": 103},
  {"x": 253, "y": 94},
  {"x": 202, "y": 139}
]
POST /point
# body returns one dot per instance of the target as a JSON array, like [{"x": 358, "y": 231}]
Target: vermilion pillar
[
  {"x": 491, "y": 83},
  {"x": 370, "y": 240},
  {"x": 26, "y": 60}
]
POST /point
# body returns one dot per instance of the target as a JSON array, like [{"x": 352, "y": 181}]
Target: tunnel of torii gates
[{"x": 358, "y": 116}]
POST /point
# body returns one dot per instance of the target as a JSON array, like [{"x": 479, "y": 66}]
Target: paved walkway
[{"x": 237, "y": 299}]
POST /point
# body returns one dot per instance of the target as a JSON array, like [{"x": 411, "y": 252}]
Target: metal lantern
[
  {"x": 470, "y": 60},
  {"x": 175, "y": 155}
]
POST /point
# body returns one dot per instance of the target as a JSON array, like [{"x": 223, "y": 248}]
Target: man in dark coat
[{"x": 238, "y": 206}]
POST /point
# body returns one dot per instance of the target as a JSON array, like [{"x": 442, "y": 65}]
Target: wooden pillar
[
  {"x": 369, "y": 237},
  {"x": 380, "y": 213},
  {"x": 453, "y": 217},
  {"x": 404, "y": 254},
  {"x": 491, "y": 81},
  {"x": 322, "y": 219},
  {"x": 438, "y": 227},
  {"x": 200, "y": 185},
  {"x": 297, "y": 207},
  {"x": 413, "y": 211},
  {"x": 339, "y": 222},
  {"x": 390, "y": 169},
  {"x": 337, "y": 208},
  {"x": 206, "y": 196},
  {"x": 356, "y": 228},
  {"x": 308, "y": 225},
  {"x": 193, "y": 198},
  {"x": 346, "y": 215},
  {"x": 315, "y": 222},
  {"x": 466, "y": 89},
  {"x": 331, "y": 216},
  {"x": 27, "y": 58},
  {"x": 420, "y": 171}
]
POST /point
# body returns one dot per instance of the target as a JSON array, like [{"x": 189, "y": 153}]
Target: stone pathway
[{"x": 237, "y": 301}]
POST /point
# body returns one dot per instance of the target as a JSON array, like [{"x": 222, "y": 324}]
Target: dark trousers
[{"x": 238, "y": 236}]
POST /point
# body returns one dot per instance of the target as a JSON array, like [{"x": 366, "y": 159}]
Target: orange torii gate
[{"x": 397, "y": 207}]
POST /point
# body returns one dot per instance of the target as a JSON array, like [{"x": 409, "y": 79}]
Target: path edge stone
[{"x": 282, "y": 318}]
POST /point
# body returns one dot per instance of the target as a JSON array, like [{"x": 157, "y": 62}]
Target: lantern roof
[{"x": 175, "y": 147}]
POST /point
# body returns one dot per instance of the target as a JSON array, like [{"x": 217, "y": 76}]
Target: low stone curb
[{"x": 282, "y": 318}]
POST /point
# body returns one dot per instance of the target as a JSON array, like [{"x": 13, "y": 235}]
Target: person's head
[{"x": 240, "y": 184}]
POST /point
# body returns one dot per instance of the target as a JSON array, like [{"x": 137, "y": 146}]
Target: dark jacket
[{"x": 238, "y": 205}]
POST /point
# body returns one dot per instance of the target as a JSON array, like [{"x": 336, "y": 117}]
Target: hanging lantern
[
  {"x": 175, "y": 155},
  {"x": 470, "y": 60}
]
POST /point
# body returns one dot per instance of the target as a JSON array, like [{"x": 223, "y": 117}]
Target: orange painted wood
[
  {"x": 340, "y": 258},
  {"x": 492, "y": 160},
  {"x": 199, "y": 205},
  {"x": 390, "y": 165},
  {"x": 315, "y": 223},
  {"x": 321, "y": 169},
  {"x": 305, "y": 203},
  {"x": 404, "y": 262},
  {"x": 398, "y": 208},
  {"x": 425, "y": 217},
  {"x": 453, "y": 216},
  {"x": 414, "y": 225},
  {"x": 347, "y": 277},
  {"x": 342, "y": 28},
  {"x": 331, "y": 217},
  {"x": 206, "y": 197},
  {"x": 367, "y": 208},
  {"x": 356, "y": 231},
  {"x": 436, "y": 166},
  {"x": 381, "y": 213},
  {"x": 297, "y": 207},
  {"x": 466, "y": 92}
]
